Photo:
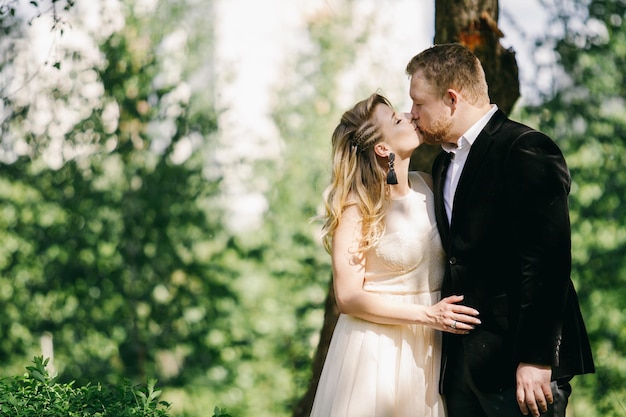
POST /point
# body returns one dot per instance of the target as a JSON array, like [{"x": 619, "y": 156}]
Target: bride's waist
[
  {"x": 400, "y": 284},
  {"x": 381, "y": 288}
]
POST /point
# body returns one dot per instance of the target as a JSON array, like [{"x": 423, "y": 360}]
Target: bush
[
  {"x": 218, "y": 412},
  {"x": 36, "y": 394}
]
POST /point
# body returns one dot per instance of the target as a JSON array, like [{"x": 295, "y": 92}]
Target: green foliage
[
  {"x": 37, "y": 394},
  {"x": 218, "y": 412},
  {"x": 120, "y": 254},
  {"x": 586, "y": 114}
]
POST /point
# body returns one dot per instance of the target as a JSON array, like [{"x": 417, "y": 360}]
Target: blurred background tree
[
  {"x": 114, "y": 228},
  {"x": 96, "y": 248}
]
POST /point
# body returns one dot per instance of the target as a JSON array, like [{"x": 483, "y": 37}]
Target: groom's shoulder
[{"x": 510, "y": 130}]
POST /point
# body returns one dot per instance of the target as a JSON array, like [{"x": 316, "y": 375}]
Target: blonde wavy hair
[{"x": 357, "y": 176}]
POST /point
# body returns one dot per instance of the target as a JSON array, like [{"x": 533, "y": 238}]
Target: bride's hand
[{"x": 449, "y": 316}]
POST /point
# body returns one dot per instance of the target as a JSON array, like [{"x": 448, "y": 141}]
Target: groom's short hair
[{"x": 451, "y": 65}]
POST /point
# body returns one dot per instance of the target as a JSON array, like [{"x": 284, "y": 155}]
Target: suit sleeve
[{"x": 539, "y": 182}]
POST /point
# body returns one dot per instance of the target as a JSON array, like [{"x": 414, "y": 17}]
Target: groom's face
[{"x": 431, "y": 115}]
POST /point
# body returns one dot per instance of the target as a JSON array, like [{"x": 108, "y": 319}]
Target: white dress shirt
[{"x": 459, "y": 153}]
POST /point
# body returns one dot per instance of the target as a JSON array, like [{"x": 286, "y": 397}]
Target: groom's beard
[{"x": 438, "y": 132}]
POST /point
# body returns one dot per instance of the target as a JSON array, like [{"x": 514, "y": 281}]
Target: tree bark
[
  {"x": 474, "y": 23},
  {"x": 331, "y": 313}
]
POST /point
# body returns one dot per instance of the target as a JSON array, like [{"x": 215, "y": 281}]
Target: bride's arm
[{"x": 348, "y": 277}]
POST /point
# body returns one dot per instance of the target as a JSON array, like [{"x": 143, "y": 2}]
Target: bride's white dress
[{"x": 378, "y": 370}]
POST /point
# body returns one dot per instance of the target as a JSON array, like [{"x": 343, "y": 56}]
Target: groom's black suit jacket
[{"x": 508, "y": 252}]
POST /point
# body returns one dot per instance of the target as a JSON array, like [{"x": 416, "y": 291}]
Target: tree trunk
[
  {"x": 474, "y": 24},
  {"x": 331, "y": 313}
]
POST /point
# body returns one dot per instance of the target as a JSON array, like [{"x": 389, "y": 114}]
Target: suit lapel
[
  {"x": 476, "y": 155},
  {"x": 472, "y": 164}
]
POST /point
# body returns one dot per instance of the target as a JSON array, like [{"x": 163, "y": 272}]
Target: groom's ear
[{"x": 452, "y": 98}]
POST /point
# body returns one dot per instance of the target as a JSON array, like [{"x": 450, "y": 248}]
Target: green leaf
[{"x": 217, "y": 412}]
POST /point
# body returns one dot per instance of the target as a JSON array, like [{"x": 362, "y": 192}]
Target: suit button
[{"x": 452, "y": 261}]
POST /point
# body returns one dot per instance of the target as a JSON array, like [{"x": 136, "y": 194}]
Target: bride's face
[{"x": 397, "y": 129}]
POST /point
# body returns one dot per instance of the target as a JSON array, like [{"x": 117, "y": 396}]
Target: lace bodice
[{"x": 409, "y": 257}]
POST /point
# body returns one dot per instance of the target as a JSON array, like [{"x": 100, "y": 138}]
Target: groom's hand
[{"x": 533, "y": 388}]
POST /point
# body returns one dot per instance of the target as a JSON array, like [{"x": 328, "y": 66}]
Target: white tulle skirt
[{"x": 377, "y": 370}]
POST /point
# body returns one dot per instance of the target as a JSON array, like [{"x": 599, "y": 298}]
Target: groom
[{"x": 501, "y": 192}]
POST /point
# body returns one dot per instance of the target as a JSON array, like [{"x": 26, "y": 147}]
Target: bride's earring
[{"x": 391, "y": 174}]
